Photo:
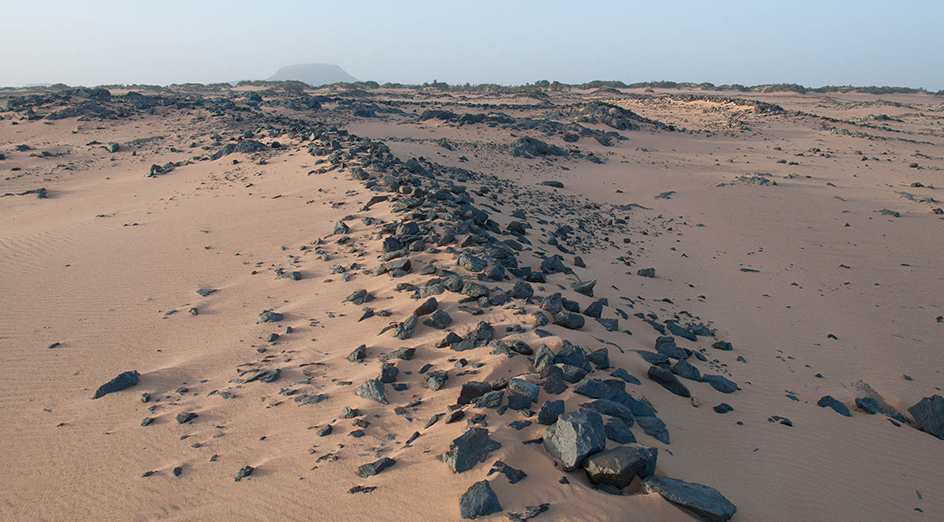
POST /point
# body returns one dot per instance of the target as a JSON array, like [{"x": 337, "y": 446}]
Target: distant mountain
[{"x": 314, "y": 74}]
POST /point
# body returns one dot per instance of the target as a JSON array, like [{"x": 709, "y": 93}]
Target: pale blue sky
[{"x": 813, "y": 43}]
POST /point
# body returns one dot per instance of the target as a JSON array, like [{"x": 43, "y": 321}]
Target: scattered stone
[
  {"x": 654, "y": 427},
  {"x": 439, "y": 320},
  {"x": 471, "y": 447},
  {"x": 513, "y": 475},
  {"x": 183, "y": 418},
  {"x": 244, "y": 473},
  {"x": 550, "y": 411},
  {"x": 646, "y": 272},
  {"x": 619, "y": 432},
  {"x": 429, "y": 306},
  {"x": 705, "y": 502},
  {"x": 723, "y": 408},
  {"x": 374, "y": 468},
  {"x": 361, "y": 489},
  {"x": 372, "y": 390},
  {"x": 781, "y": 420},
  {"x": 269, "y": 316},
  {"x": 720, "y": 383},
  {"x": 359, "y": 354},
  {"x": 435, "y": 380},
  {"x": 668, "y": 381},
  {"x": 529, "y": 513},
  {"x": 868, "y": 405},
  {"x": 479, "y": 500},
  {"x": 122, "y": 381},
  {"x": 829, "y": 402},
  {"x": 585, "y": 288},
  {"x": 624, "y": 375}
]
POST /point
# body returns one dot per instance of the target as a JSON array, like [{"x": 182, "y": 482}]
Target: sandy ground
[{"x": 844, "y": 296}]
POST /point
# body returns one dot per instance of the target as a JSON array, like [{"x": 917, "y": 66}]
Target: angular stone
[
  {"x": 525, "y": 388},
  {"x": 654, "y": 427},
  {"x": 720, "y": 383},
  {"x": 626, "y": 376},
  {"x": 372, "y": 390},
  {"x": 600, "y": 358},
  {"x": 612, "y": 409},
  {"x": 868, "y": 405},
  {"x": 574, "y": 437},
  {"x": 435, "y": 380},
  {"x": 479, "y": 500},
  {"x": 619, "y": 432},
  {"x": 685, "y": 370},
  {"x": 439, "y": 320},
  {"x": 550, "y": 411},
  {"x": 829, "y": 402},
  {"x": 471, "y": 447},
  {"x": 668, "y": 381},
  {"x": 705, "y": 502},
  {"x": 619, "y": 465},
  {"x": 471, "y": 390},
  {"x": 929, "y": 415},
  {"x": 369, "y": 470},
  {"x": 122, "y": 381},
  {"x": 585, "y": 287},
  {"x": 429, "y": 306},
  {"x": 359, "y": 354},
  {"x": 491, "y": 399}
]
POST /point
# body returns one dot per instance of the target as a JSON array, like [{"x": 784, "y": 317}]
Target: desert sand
[{"x": 799, "y": 228}]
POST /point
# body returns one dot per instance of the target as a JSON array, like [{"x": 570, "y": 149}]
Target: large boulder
[
  {"x": 705, "y": 502},
  {"x": 574, "y": 437},
  {"x": 929, "y": 415},
  {"x": 619, "y": 465}
]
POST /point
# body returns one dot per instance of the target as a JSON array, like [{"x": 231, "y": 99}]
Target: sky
[{"x": 812, "y": 43}]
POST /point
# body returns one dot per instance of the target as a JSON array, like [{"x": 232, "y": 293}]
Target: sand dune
[{"x": 762, "y": 215}]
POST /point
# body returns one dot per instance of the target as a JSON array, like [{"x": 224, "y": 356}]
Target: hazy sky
[{"x": 814, "y": 43}]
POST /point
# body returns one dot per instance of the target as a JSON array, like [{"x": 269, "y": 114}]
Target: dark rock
[
  {"x": 829, "y": 402},
  {"x": 612, "y": 409},
  {"x": 372, "y": 390},
  {"x": 269, "y": 316},
  {"x": 868, "y": 405},
  {"x": 722, "y": 345},
  {"x": 341, "y": 228},
  {"x": 619, "y": 465},
  {"x": 471, "y": 447},
  {"x": 550, "y": 411},
  {"x": 623, "y": 374},
  {"x": 471, "y": 390},
  {"x": 685, "y": 370},
  {"x": 595, "y": 309},
  {"x": 513, "y": 475},
  {"x": 522, "y": 290},
  {"x": 474, "y": 290},
  {"x": 654, "y": 427},
  {"x": 435, "y": 380},
  {"x": 646, "y": 272},
  {"x": 245, "y": 472},
  {"x": 388, "y": 372},
  {"x": 705, "y": 502},
  {"x": 600, "y": 358},
  {"x": 595, "y": 389},
  {"x": 554, "y": 184},
  {"x": 405, "y": 329},
  {"x": 369, "y": 470},
  {"x": 619, "y": 432},
  {"x": 183, "y": 418},
  {"x": 428, "y": 307},
  {"x": 491, "y": 399},
  {"x": 723, "y": 408},
  {"x": 519, "y": 425},
  {"x": 400, "y": 353},
  {"x": 574, "y": 437},
  {"x": 439, "y": 320},
  {"x": 680, "y": 331},
  {"x": 358, "y": 354},
  {"x": 479, "y": 500},
  {"x": 519, "y": 402},
  {"x": 359, "y": 297},
  {"x": 720, "y": 383},
  {"x": 666, "y": 346},
  {"x": 553, "y": 265},
  {"x": 525, "y": 388},
  {"x": 324, "y": 431},
  {"x": 668, "y": 381},
  {"x": 122, "y": 381},
  {"x": 782, "y": 420},
  {"x": 585, "y": 288},
  {"x": 929, "y": 415}
]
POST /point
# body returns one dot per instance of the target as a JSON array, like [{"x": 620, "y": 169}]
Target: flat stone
[
  {"x": 705, "y": 502},
  {"x": 122, "y": 381},
  {"x": 838, "y": 406},
  {"x": 369, "y": 470},
  {"x": 668, "y": 381}
]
